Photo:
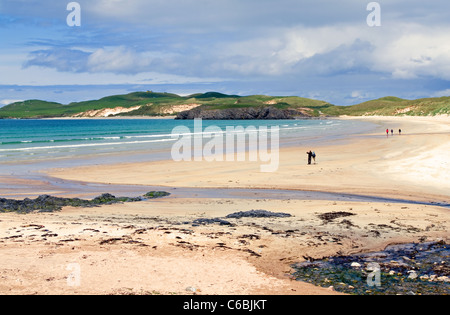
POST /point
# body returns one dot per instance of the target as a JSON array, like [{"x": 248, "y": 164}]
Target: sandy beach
[{"x": 153, "y": 247}]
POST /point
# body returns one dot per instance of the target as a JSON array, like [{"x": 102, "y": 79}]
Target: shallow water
[
  {"x": 31, "y": 141},
  {"x": 413, "y": 269}
]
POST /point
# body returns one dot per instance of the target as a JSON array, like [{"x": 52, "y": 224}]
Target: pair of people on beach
[{"x": 311, "y": 156}]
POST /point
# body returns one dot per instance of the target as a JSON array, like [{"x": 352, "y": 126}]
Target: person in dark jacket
[{"x": 310, "y": 155}]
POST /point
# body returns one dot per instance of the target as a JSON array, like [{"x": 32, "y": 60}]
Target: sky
[{"x": 322, "y": 49}]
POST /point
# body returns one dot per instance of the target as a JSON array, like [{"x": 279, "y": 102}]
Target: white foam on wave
[{"x": 83, "y": 145}]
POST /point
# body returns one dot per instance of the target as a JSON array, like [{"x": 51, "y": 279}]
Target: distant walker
[{"x": 311, "y": 156}]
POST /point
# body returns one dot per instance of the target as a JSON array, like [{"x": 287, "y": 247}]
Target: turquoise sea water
[{"x": 26, "y": 142}]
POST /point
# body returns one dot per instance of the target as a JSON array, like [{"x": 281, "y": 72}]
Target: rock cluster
[
  {"x": 402, "y": 269},
  {"x": 257, "y": 214},
  {"x": 47, "y": 203},
  {"x": 241, "y": 214}
]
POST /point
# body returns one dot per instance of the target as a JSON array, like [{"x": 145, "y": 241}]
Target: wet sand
[{"x": 153, "y": 246}]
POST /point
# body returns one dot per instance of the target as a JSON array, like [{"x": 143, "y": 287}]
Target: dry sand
[{"x": 153, "y": 247}]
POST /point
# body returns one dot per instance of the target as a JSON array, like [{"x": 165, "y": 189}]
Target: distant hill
[
  {"x": 205, "y": 104},
  {"x": 394, "y": 106},
  {"x": 31, "y": 108}
]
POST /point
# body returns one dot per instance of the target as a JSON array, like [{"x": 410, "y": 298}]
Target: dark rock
[
  {"x": 156, "y": 194},
  {"x": 330, "y": 216},
  {"x": 251, "y": 236},
  {"x": 257, "y": 214},
  {"x": 111, "y": 241},
  {"x": 204, "y": 221}
]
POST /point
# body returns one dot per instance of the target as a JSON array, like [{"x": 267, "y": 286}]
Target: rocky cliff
[{"x": 243, "y": 113}]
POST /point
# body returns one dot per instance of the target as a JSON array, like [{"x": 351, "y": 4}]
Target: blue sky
[{"x": 323, "y": 49}]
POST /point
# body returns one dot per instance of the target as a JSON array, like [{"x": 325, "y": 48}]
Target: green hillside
[
  {"x": 31, "y": 108},
  {"x": 394, "y": 106},
  {"x": 42, "y": 109},
  {"x": 160, "y": 104}
]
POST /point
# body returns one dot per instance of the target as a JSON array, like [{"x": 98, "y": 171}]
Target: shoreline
[
  {"x": 154, "y": 247},
  {"x": 113, "y": 117}
]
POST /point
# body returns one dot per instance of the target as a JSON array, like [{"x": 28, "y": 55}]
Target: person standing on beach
[
  {"x": 399, "y": 131},
  {"x": 310, "y": 154},
  {"x": 392, "y": 131},
  {"x": 387, "y": 132}
]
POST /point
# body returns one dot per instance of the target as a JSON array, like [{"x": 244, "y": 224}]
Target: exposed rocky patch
[
  {"x": 257, "y": 214},
  {"x": 205, "y": 221},
  {"x": 47, "y": 203},
  {"x": 242, "y": 113},
  {"x": 416, "y": 268},
  {"x": 330, "y": 216},
  {"x": 239, "y": 215}
]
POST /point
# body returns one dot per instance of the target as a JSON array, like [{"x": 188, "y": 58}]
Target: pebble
[
  {"x": 443, "y": 279},
  {"x": 412, "y": 275},
  {"x": 191, "y": 289}
]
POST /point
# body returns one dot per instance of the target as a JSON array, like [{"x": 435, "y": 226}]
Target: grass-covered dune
[{"x": 394, "y": 106}]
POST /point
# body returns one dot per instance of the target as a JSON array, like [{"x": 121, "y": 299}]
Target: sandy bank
[{"x": 153, "y": 247}]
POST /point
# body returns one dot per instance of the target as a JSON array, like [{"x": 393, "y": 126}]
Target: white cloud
[
  {"x": 442, "y": 93},
  {"x": 7, "y": 102},
  {"x": 118, "y": 60},
  {"x": 405, "y": 51},
  {"x": 401, "y": 51},
  {"x": 415, "y": 51},
  {"x": 360, "y": 95}
]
